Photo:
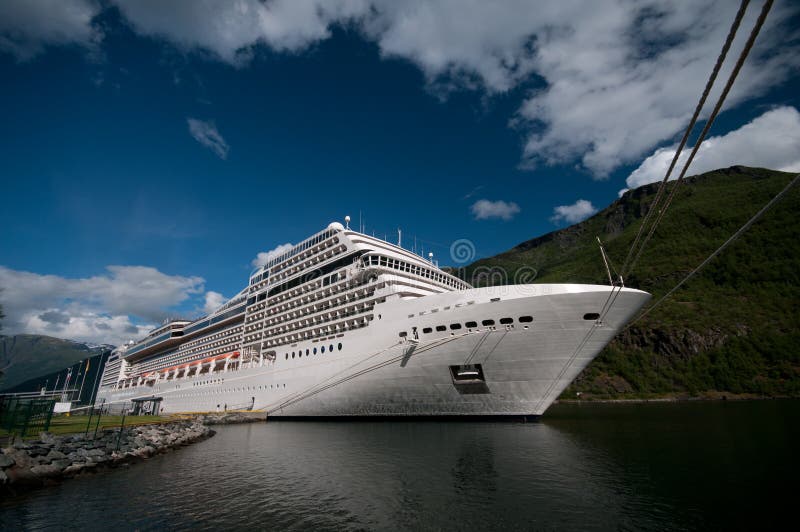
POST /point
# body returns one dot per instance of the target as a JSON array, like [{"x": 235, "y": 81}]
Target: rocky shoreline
[{"x": 32, "y": 464}]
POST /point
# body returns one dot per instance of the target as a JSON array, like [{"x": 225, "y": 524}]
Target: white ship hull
[{"x": 524, "y": 365}]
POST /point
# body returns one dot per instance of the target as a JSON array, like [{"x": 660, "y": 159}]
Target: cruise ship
[{"x": 346, "y": 324}]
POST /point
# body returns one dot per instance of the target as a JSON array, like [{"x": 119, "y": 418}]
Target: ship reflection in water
[{"x": 712, "y": 465}]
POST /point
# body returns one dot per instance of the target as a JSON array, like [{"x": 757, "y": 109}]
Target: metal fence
[{"x": 22, "y": 416}]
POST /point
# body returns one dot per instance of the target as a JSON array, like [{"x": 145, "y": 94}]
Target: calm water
[{"x": 658, "y": 466}]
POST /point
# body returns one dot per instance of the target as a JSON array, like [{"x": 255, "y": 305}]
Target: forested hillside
[{"x": 732, "y": 329}]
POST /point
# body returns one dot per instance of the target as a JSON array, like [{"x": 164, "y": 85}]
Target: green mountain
[
  {"x": 27, "y": 356},
  {"x": 732, "y": 329}
]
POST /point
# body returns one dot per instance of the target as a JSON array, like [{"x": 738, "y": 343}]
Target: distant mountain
[
  {"x": 732, "y": 329},
  {"x": 27, "y": 356}
]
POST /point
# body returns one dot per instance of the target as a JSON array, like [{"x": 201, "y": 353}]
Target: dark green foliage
[{"x": 733, "y": 328}]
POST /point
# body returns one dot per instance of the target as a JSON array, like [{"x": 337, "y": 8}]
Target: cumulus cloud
[
  {"x": 214, "y": 300},
  {"x": 229, "y": 29},
  {"x": 27, "y": 27},
  {"x": 111, "y": 308},
  {"x": 578, "y": 211},
  {"x": 484, "y": 209},
  {"x": 771, "y": 140},
  {"x": 618, "y": 78},
  {"x": 608, "y": 80},
  {"x": 265, "y": 256},
  {"x": 206, "y": 134}
]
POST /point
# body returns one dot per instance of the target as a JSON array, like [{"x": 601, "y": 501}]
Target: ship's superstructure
[{"x": 347, "y": 324}]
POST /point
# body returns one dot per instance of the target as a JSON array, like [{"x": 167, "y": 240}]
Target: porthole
[
  {"x": 486, "y": 323},
  {"x": 330, "y": 348},
  {"x": 441, "y": 328},
  {"x": 506, "y": 321},
  {"x": 322, "y": 349},
  {"x": 471, "y": 324},
  {"x": 591, "y": 316},
  {"x": 315, "y": 350},
  {"x": 306, "y": 352},
  {"x": 427, "y": 330},
  {"x": 525, "y": 319},
  {"x": 339, "y": 347},
  {"x": 455, "y": 326},
  {"x": 292, "y": 354},
  {"x": 287, "y": 356}
]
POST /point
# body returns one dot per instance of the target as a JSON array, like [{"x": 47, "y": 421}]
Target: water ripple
[{"x": 588, "y": 469}]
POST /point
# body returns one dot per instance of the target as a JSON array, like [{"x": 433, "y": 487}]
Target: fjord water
[{"x": 724, "y": 465}]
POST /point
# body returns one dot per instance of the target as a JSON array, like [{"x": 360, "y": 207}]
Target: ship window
[
  {"x": 487, "y": 322},
  {"x": 441, "y": 328},
  {"x": 525, "y": 319},
  {"x": 591, "y": 316},
  {"x": 322, "y": 349},
  {"x": 339, "y": 347},
  {"x": 506, "y": 321},
  {"x": 427, "y": 330},
  {"x": 471, "y": 324},
  {"x": 455, "y": 326}
]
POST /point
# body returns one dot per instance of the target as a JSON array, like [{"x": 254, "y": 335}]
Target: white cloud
[
  {"x": 98, "y": 309},
  {"x": 214, "y": 300},
  {"x": 265, "y": 256},
  {"x": 484, "y": 209},
  {"x": 27, "y": 26},
  {"x": 610, "y": 79},
  {"x": 580, "y": 210},
  {"x": 618, "y": 77},
  {"x": 771, "y": 140},
  {"x": 206, "y": 134},
  {"x": 229, "y": 29}
]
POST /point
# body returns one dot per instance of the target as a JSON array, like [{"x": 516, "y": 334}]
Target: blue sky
[{"x": 150, "y": 150}]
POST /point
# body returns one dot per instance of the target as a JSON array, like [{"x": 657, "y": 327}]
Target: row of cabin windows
[
  {"x": 380, "y": 260},
  {"x": 313, "y": 351},
  {"x": 472, "y": 325},
  {"x": 302, "y": 246}
]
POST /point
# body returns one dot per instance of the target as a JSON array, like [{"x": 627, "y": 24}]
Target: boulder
[
  {"x": 62, "y": 463},
  {"x": 21, "y": 475},
  {"x": 55, "y": 455},
  {"x": 38, "y": 451},
  {"x": 6, "y": 460},
  {"x": 46, "y": 471}
]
